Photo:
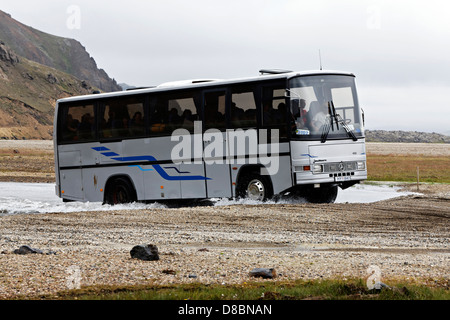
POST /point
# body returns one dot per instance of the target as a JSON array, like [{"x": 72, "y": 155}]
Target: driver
[{"x": 320, "y": 117}]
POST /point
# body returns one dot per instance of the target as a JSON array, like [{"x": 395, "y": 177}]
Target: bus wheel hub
[{"x": 255, "y": 190}]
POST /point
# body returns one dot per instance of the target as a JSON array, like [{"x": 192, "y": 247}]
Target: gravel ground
[
  {"x": 43, "y": 145},
  {"x": 407, "y": 238}
]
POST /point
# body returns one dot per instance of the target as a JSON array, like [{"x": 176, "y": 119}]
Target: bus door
[
  {"x": 217, "y": 168},
  {"x": 71, "y": 180},
  {"x": 192, "y": 175}
]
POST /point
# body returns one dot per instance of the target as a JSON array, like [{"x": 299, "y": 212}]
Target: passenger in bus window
[
  {"x": 137, "y": 124},
  {"x": 173, "y": 116},
  {"x": 301, "y": 123},
  {"x": 71, "y": 128},
  {"x": 237, "y": 115},
  {"x": 299, "y": 113},
  {"x": 86, "y": 127},
  {"x": 124, "y": 130},
  {"x": 269, "y": 114},
  {"x": 188, "y": 119},
  {"x": 112, "y": 121},
  {"x": 173, "y": 121},
  {"x": 280, "y": 115},
  {"x": 280, "y": 119}
]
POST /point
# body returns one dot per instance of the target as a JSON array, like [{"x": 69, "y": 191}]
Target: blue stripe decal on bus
[
  {"x": 110, "y": 154},
  {"x": 308, "y": 155},
  {"x": 176, "y": 169},
  {"x": 140, "y": 168},
  {"x": 157, "y": 167}
]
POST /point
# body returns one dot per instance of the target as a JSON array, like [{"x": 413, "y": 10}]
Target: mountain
[
  {"x": 28, "y": 93},
  {"x": 63, "y": 54},
  {"x": 405, "y": 136}
]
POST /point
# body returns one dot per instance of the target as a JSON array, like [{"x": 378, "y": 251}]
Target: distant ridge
[
  {"x": 405, "y": 136},
  {"x": 63, "y": 54}
]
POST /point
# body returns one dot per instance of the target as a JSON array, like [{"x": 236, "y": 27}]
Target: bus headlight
[
  {"x": 317, "y": 168},
  {"x": 361, "y": 165}
]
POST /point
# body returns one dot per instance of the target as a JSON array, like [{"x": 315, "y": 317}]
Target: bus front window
[{"x": 325, "y": 106}]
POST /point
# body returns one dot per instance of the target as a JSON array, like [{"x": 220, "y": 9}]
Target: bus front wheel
[
  {"x": 119, "y": 191},
  {"x": 325, "y": 194},
  {"x": 255, "y": 187}
]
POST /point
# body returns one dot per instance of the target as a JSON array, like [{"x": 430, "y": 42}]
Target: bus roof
[{"x": 266, "y": 74}]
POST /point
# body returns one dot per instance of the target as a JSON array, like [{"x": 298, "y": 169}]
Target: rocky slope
[
  {"x": 28, "y": 93},
  {"x": 63, "y": 54},
  {"x": 405, "y": 136}
]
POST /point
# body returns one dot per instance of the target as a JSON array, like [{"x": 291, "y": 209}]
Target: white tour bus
[{"x": 280, "y": 133}]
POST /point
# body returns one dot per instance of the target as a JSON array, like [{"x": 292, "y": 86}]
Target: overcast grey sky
[{"x": 399, "y": 50}]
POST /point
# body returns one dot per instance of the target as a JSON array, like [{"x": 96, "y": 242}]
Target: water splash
[{"x": 35, "y": 198}]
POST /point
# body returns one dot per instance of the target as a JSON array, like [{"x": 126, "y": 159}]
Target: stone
[
  {"x": 27, "y": 250},
  {"x": 145, "y": 252},
  {"x": 51, "y": 79},
  {"x": 169, "y": 271},
  {"x": 263, "y": 273},
  {"x": 8, "y": 55}
]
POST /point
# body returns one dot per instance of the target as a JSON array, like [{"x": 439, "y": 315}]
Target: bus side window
[
  {"x": 70, "y": 128},
  {"x": 188, "y": 113},
  {"x": 136, "y": 123},
  {"x": 172, "y": 112},
  {"x": 215, "y": 110},
  {"x": 78, "y": 123},
  {"x": 274, "y": 110},
  {"x": 243, "y": 109},
  {"x": 123, "y": 118},
  {"x": 158, "y": 119},
  {"x": 115, "y": 120}
]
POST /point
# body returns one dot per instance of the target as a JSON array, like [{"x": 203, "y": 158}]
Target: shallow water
[{"x": 38, "y": 198}]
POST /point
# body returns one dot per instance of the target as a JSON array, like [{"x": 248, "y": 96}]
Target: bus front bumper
[{"x": 303, "y": 178}]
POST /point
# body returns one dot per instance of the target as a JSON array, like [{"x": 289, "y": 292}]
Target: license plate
[{"x": 340, "y": 179}]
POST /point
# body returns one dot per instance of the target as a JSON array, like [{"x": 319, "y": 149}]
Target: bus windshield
[{"x": 325, "y": 107}]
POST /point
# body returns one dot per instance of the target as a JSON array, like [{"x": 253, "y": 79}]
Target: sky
[{"x": 399, "y": 50}]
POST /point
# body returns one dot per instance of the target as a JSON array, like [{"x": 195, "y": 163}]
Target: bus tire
[
  {"x": 120, "y": 191},
  {"x": 254, "y": 186},
  {"x": 325, "y": 194}
]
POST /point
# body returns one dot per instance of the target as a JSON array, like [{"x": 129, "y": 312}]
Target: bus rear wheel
[{"x": 120, "y": 191}]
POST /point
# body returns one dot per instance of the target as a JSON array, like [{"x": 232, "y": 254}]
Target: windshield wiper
[{"x": 333, "y": 118}]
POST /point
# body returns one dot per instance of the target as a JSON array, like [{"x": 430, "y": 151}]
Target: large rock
[
  {"x": 145, "y": 252},
  {"x": 263, "y": 273},
  {"x": 27, "y": 250},
  {"x": 8, "y": 55}
]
